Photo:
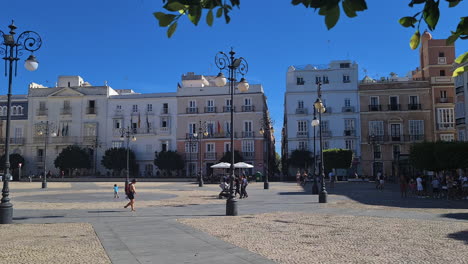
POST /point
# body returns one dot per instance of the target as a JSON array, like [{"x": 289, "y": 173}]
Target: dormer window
[
  {"x": 345, "y": 65},
  {"x": 300, "y": 81}
]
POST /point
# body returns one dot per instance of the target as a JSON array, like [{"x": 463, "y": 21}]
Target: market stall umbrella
[
  {"x": 221, "y": 165},
  {"x": 242, "y": 165}
]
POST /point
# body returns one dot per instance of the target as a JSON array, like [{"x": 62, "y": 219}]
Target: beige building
[
  {"x": 200, "y": 103},
  {"x": 395, "y": 113}
]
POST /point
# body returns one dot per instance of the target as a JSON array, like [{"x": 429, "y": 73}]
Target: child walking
[{"x": 116, "y": 191}]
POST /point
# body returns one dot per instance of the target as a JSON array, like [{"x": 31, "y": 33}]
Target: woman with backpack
[{"x": 131, "y": 191}]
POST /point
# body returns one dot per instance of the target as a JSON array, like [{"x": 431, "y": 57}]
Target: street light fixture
[
  {"x": 266, "y": 130},
  {"x": 233, "y": 66},
  {"x": 127, "y": 133},
  {"x": 315, "y": 123},
  {"x": 45, "y": 129},
  {"x": 11, "y": 49},
  {"x": 321, "y": 109},
  {"x": 202, "y": 131}
]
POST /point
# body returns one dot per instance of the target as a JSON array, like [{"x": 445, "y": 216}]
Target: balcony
[
  {"x": 375, "y": 107},
  {"x": 14, "y": 141},
  {"x": 460, "y": 121},
  {"x": 118, "y": 112},
  {"x": 164, "y": 111},
  {"x": 210, "y": 109},
  {"x": 376, "y": 139},
  {"x": 149, "y": 112},
  {"x": 302, "y": 134},
  {"x": 442, "y": 79},
  {"x": 441, "y": 60},
  {"x": 64, "y": 140},
  {"x": 191, "y": 110},
  {"x": 248, "y": 134},
  {"x": 444, "y": 100},
  {"x": 347, "y": 109},
  {"x": 91, "y": 110},
  {"x": 191, "y": 156},
  {"x": 459, "y": 90},
  {"x": 396, "y": 138},
  {"x": 143, "y": 131},
  {"x": 394, "y": 107},
  {"x": 412, "y": 138},
  {"x": 445, "y": 126},
  {"x": 210, "y": 155},
  {"x": 248, "y": 155},
  {"x": 326, "y": 133},
  {"x": 414, "y": 106},
  {"x": 89, "y": 140},
  {"x": 302, "y": 111},
  {"x": 248, "y": 108},
  {"x": 66, "y": 111},
  {"x": 349, "y": 133},
  {"x": 228, "y": 109},
  {"x": 164, "y": 130},
  {"x": 41, "y": 112}
]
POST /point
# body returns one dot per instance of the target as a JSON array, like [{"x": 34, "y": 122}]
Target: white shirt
[{"x": 419, "y": 181}]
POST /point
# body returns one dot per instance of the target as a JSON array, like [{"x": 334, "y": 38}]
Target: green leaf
[
  {"x": 431, "y": 14},
  {"x": 209, "y": 18},
  {"x": 416, "y": 2},
  {"x": 219, "y": 13},
  {"x": 414, "y": 41},
  {"x": 462, "y": 58},
  {"x": 315, "y": 3},
  {"x": 332, "y": 16},
  {"x": 452, "y": 39},
  {"x": 358, "y": 5},
  {"x": 408, "y": 21},
  {"x": 171, "y": 29},
  {"x": 348, "y": 8},
  {"x": 227, "y": 17},
  {"x": 459, "y": 71},
  {"x": 453, "y": 3},
  {"x": 164, "y": 19},
  {"x": 174, "y": 6},
  {"x": 195, "y": 12}
]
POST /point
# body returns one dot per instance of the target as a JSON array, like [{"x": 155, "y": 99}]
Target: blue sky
[{"x": 119, "y": 41}]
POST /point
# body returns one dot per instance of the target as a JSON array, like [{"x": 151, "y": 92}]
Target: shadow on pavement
[
  {"x": 459, "y": 216},
  {"x": 108, "y": 211},
  {"x": 294, "y": 193},
  {"x": 462, "y": 235},
  {"x": 366, "y": 193},
  {"x": 36, "y": 217}
]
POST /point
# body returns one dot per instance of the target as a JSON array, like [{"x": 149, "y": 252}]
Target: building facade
[
  {"x": 461, "y": 108},
  {"x": 341, "y": 121},
  {"x": 436, "y": 59},
  {"x": 395, "y": 113},
  {"x": 204, "y": 124}
]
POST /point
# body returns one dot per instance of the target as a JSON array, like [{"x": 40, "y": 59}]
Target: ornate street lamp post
[
  {"x": 315, "y": 123},
  {"x": 12, "y": 49},
  {"x": 233, "y": 66},
  {"x": 127, "y": 133},
  {"x": 321, "y": 109},
  {"x": 201, "y": 133},
  {"x": 266, "y": 131},
  {"x": 45, "y": 129}
]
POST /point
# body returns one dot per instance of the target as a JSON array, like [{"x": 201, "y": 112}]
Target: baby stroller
[{"x": 224, "y": 190}]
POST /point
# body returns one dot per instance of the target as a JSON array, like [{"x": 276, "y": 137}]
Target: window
[
  {"x": 300, "y": 81},
  {"x": 42, "y": 105},
  {"x": 325, "y": 125},
  {"x": 248, "y": 126},
  {"x": 349, "y": 144},
  {"x": 248, "y": 146},
  {"x": 247, "y": 101},
  {"x": 227, "y": 147},
  {"x": 441, "y": 54},
  {"x": 377, "y": 152},
  {"x": 191, "y": 147},
  {"x": 228, "y": 102},
  {"x": 117, "y": 144},
  {"x": 210, "y": 147},
  {"x": 318, "y": 79},
  {"x": 164, "y": 122},
  {"x": 349, "y": 127},
  {"x": 443, "y": 94},
  {"x": 134, "y": 108},
  {"x": 442, "y": 72},
  {"x": 300, "y": 104},
  {"x": 40, "y": 153},
  {"x": 396, "y": 152},
  {"x": 461, "y": 135},
  {"x": 413, "y": 100},
  {"x": 325, "y": 79},
  {"x": 445, "y": 118},
  {"x": 393, "y": 103},
  {"x": 64, "y": 129},
  {"x": 374, "y": 100},
  {"x": 346, "y": 79},
  {"x": 302, "y": 145},
  {"x": 165, "y": 146},
  {"x": 90, "y": 129},
  {"x": 376, "y": 128},
  {"x": 149, "y": 108},
  {"x": 66, "y": 104},
  {"x": 192, "y": 128},
  {"x": 347, "y": 102},
  {"x": 210, "y": 103},
  {"x": 210, "y": 127},
  {"x": 18, "y": 132},
  {"x": 192, "y": 103},
  {"x": 302, "y": 126},
  {"x": 447, "y": 137},
  {"x": 345, "y": 65},
  {"x": 91, "y": 104},
  {"x": 395, "y": 132},
  {"x": 227, "y": 126}
]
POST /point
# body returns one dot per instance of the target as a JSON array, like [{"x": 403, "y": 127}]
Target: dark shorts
[{"x": 131, "y": 196}]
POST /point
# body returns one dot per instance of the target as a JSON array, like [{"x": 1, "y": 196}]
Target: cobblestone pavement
[
  {"x": 294, "y": 238},
  {"x": 51, "y": 243}
]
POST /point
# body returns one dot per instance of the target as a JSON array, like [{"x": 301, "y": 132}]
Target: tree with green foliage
[
  {"x": 227, "y": 157},
  {"x": 73, "y": 157},
  {"x": 337, "y": 159},
  {"x": 300, "y": 158},
  {"x": 428, "y": 12},
  {"x": 15, "y": 160},
  {"x": 115, "y": 159},
  {"x": 168, "y": 161},
  {"x": 439, "y": 156}
]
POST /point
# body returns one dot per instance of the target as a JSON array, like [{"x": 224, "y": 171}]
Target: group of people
[
  {"x": 301, "y": 178},
  {"x": 130, "y": 192},
  {"x": 240, "y": 185},
  {"x": 443, "y": 186}
]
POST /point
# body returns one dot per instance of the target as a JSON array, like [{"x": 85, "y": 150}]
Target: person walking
[
  {"x": 419, "y": 185},
  {"x": 435, "y": 187},
  {"x": 403, "y": 186},
  {"x": 116, "y": 191},
  {"x": 131, "y": 195},
  {"x": 298, "y": 177},
  {"x": 237, "y": 183},
  {"x": 244, "y": 184}
]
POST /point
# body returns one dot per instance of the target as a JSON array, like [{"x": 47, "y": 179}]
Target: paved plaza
[{"x": 179, "y": 222}]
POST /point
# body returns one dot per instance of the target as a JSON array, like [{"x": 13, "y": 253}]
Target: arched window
[
  {"x": 13, "y": 110},
  {"x": 20, "y": 110},
  {"x": 3, "y": 111}
]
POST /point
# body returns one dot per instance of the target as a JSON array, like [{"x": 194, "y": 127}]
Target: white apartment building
[
  {"x": 151, "y": 119},
  {"x": 340, "y": 123},
  {"x": 461, "y": 108}
]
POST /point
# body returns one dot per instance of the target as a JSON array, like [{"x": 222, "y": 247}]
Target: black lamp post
[
  {"x": 321, "y": 109},
  {"x": 266, "y": 131},
  {"x": 45, "y": 129},
  {"x": 373, "y": 144},
  {"x": 127, "y": 133},
  {"x": 190, "y": 136},
  {"x": 233, "y": 66},
  {"x": 96, "y": 145},
  {"x": 201, "y": 132},
  {"x": 315, "y": 122},
  {"x": 12, "y": 49}
]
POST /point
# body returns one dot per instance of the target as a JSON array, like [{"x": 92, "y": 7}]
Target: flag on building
[
  {"x": 219, "y": 128},
  {"x": 139, "y": 120}
]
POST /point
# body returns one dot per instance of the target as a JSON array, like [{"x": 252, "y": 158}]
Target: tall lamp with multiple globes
[
  {"x": 127, "y": 133},
  {"x": 320, "y": 107},
  {"x": 233, "y": 66},
  {"x": 266, "y": 131},
  {"x": 11, "y": 49},
  {"x": 46, "y": 129},
  {"x": 315, "y": 123},
  {"x": 202, "y": 131}
]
